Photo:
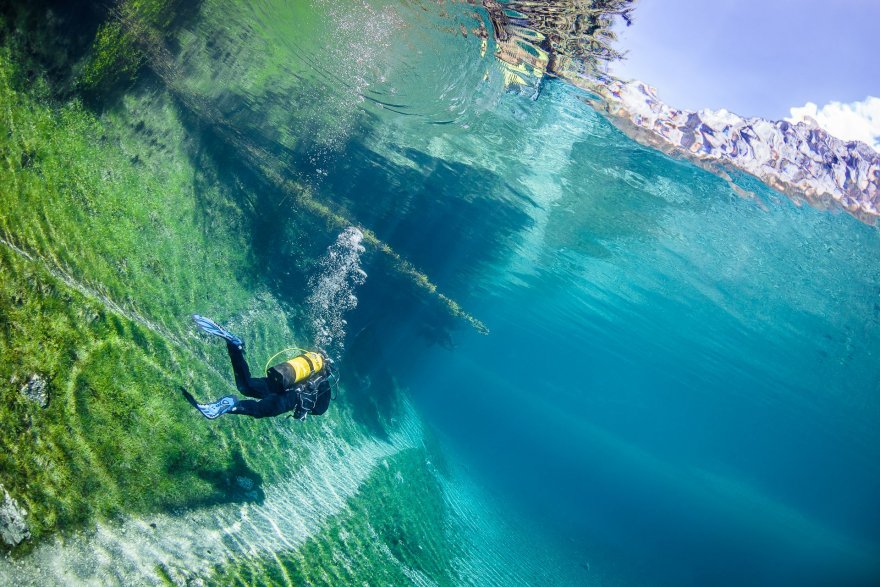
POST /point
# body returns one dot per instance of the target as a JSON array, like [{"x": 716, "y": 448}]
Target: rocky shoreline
[
  {"x": 800, "y": 160},
  {"x": 571, "y": 42}
]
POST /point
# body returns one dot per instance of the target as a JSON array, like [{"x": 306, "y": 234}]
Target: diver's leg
[
  {"x": 272, "y": 405},
  {"x": 249, "y": 386},
  {"x": 258, "y": 387},
  {"x": 239, "y": 365}
]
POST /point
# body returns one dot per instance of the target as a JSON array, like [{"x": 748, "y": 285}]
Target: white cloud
[{"x": 856, "y": 121}]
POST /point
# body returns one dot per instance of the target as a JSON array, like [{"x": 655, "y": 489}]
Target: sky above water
[{"x": 759, "y": 58}]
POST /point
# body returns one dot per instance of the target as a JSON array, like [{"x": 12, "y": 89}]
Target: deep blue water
[{"x": 677, "y": 377}]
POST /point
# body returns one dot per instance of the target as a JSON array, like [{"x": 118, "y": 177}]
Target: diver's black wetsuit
[{"x": 272, "y": 401}]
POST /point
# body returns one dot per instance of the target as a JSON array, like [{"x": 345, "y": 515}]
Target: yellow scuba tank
[{"x": 286, "y": 375}]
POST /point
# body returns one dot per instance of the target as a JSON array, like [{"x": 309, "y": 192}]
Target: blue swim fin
[
  {"x": 214, "y": 410},
  {"x": 211, "y": 327}
]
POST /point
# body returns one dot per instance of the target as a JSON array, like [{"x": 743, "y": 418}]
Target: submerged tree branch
[{"x": 259, "y": 160}]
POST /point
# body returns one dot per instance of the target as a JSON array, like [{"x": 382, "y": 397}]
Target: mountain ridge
[{"x": 798, "y": 159}]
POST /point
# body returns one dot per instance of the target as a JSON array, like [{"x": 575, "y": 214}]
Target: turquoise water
[
  {"x": 680, "y": 385},
  {"x": 677, "y": 376}
]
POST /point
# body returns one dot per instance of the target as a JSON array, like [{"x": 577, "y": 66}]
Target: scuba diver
[{"x": 300, "y": 385}]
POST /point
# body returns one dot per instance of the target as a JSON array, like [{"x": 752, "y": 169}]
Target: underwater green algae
[
  {"x": 85, "y": 303},
  {"x": 99, "y": 275},
  {"x": 110, "y": 441},
  {"x": 116, "y": 57}
]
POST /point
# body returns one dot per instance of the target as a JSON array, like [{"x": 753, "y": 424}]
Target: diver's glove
[
  {"x": 213, "y": 410},
  {"x": 211, "y": 327}
]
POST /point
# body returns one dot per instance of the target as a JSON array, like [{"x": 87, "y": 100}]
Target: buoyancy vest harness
[{"x": 306, "y": 375}]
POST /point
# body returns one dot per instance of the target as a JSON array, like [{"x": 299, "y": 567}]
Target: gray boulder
[
  {"x": 13, "y": 528},
  {"x": 37, "y": 390}
]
